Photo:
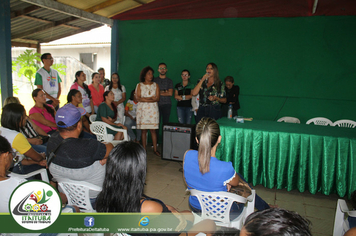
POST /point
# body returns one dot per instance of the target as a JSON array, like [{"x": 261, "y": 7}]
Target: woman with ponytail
[
  {"x": 204, "y": 172},
  {"x": 79, "y": 84},
  {"x": 42, "y": 114}
]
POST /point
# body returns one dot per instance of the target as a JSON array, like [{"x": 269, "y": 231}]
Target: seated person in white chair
[
  {"x": 8, "y": 184},
  {"x": 107, "y": 112},
  {"x": 275, "y": 221},
  {"x": 76, "y": 158},
  {"x": 204, "y": 172}
]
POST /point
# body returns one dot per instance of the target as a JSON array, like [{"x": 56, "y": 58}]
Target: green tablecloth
[{"x": 292, "y": 156}]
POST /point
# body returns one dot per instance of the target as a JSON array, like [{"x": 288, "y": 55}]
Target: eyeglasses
[
  {"x": 185, "y": 75},
  {"x": 50, "y": 58},
  {"x": 162, "y": 68}
]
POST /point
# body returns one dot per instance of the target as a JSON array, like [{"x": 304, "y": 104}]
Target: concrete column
[
  {"x": 5, "y": 49},
  {"x": 115, "y": 47}
]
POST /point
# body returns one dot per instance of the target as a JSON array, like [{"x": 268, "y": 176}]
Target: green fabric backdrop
[{"x": 302, "y": 67}]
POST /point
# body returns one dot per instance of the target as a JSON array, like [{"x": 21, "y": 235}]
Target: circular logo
[{"x": 35, "y": 205}]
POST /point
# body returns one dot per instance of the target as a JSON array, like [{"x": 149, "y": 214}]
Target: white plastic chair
[
  {"x": 289, "y": 119},
  {"x": 41, "y": 171},
  {"x": 216, "y": 206},
  {"x": 320, "y": 121},
  {"x": 99, "y": 129},
  {"x": 341, "y": 224},
  {"x": 77, "y": 193},
  {"x": 92, "y": 118},
  {"x": 345, "y": 123}
]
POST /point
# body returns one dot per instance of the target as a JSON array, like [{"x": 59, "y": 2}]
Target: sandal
[{"x": 157, "y": 153}]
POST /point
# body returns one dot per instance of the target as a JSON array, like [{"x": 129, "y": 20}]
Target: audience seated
[
  {"x": 79, "y": 84},
  {"x": 34, "y": 134},
  {"x": 130, "y": 113},
  {"x": 204, "y": 172},
  {"x": 76, "y": 158},
  {"x": 123, "y": 188},
  {"x": 277, "y": 222},
  {"x": 13, "y": 118},
  {"x": 42, "y": 114},
  {"x": 74, "y": 98},
  {"x": 7, "y": 184},
  {"x": 107, "y": 113}
]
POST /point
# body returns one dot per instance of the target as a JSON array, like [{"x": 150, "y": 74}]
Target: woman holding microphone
[{"x": 211, "y": 94}]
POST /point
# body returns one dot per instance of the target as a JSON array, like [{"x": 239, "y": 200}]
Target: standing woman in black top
[
  {"x": 183, "y": 94},
  {"x": 232, "y": 97}
]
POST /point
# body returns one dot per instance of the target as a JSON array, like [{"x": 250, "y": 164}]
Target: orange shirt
[{"x": 98, "y": 97}]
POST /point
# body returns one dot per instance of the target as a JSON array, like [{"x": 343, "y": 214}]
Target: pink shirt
[
  {"x": 46, "y": 115},
  {"x": 98, "y": 97}
]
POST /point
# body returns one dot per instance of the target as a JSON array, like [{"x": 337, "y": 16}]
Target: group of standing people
[{"x": 149, "y": 104}]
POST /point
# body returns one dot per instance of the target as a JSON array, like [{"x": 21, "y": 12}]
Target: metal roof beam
[
  {"x": 32, "y": 31},
  {"x": 71, "y": 33},
  {"x": 28, "y": 45},
  {"x": 46, "y": 27},
  {"x": 36, "y": 19},
  {"x": 69, "y": 10},
  {"x": 25, "y": 11},
  {"x": 102, "y": 5}
]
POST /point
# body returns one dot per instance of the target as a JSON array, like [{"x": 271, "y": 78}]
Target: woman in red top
[{"x": 97, "y": 90}]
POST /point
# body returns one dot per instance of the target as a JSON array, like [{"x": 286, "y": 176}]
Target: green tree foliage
[
  {"x": 60, "y": 68},
  {"x": 28, "y": 63}
]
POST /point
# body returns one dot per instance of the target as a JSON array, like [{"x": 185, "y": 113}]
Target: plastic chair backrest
[
  {"x": 320, "y": 121},
  {"x": 341, "y": 225},
  {"x": 42, "y": 172},
  {"x": 216, "y": 206},
  {"x": 99, "y": 129},
  {"x": 345, "y": 123},
  {"x": 77, "y": 193},
  {"x": 289, "y": 119},
  {"x": 92, "y": 118}
]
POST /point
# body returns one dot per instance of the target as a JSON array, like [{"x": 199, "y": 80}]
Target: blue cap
[{"x": 69, "y": 115}]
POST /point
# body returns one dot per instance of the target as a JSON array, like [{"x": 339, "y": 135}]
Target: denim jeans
[
  {"x": 40, "y": 148},
  {"x": 212, "y": 111},
  {"x": 129, "y": 123},
  {"x": 164, "y": 113},
  {"x": 184, "y": 115}
]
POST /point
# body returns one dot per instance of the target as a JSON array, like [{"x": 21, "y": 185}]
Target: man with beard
[{"x": 166, "y": 91}]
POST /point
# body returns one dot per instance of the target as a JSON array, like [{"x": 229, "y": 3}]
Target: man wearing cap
[{"x": 78, "y": 159}]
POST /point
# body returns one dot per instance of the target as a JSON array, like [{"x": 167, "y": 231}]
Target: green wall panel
[{"x": 301, "y": 67}]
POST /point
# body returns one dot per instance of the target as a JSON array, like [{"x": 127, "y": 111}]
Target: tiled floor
[{"x": 165, "y": 182}]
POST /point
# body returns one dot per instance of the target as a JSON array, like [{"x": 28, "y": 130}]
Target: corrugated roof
[{"x": 36, "y": 21}]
